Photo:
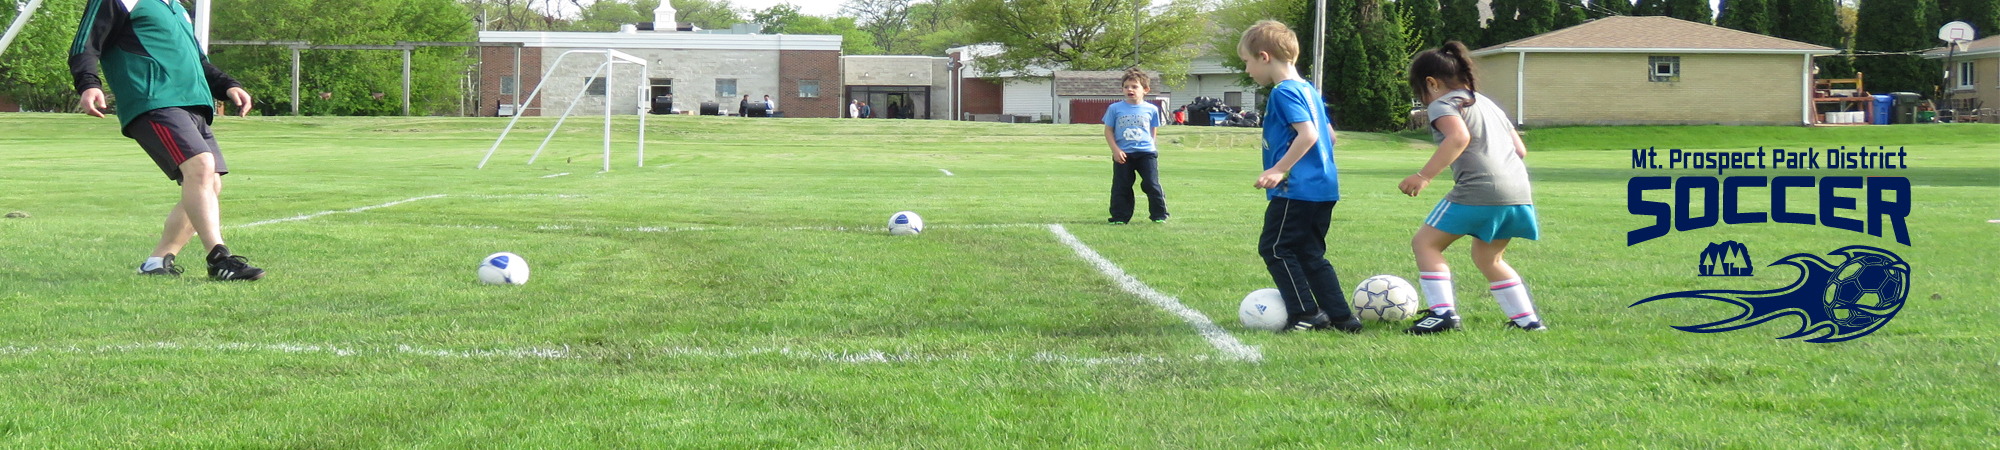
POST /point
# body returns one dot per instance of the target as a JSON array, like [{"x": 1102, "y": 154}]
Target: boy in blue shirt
[
  {"x": 1300, "y": 182},
  {"x": 1130, "y": 127}
]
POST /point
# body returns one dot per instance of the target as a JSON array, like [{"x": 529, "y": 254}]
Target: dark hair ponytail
[{"x": 1451, "y": 64}]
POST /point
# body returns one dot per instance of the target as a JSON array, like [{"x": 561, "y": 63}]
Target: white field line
[
  {"x": 946, "y": 172},
  {"x": 322, "y": 213},
  {"x": 870, "y": 356},
  {"x": 1222, "y": 340},
  {"x": 556, "y": 175},
  {"x": 672, "y": 229}
]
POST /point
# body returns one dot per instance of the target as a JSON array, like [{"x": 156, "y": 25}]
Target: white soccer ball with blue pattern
[
  {"x": 1386, "y": 298},
  {"x": 1263, "y": 309},
  {"x": 503, "y": 268},
  {"x": 905, "y": 223}
]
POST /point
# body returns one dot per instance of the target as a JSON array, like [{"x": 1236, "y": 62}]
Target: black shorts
[{"x": 174, "y": 134}]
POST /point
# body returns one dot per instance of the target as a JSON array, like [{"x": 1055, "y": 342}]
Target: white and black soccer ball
[
  {"x": 503, "y": 268},
  {"x": 905, "y": 223},
  {"x": 1263, "y": 309},
  {"x": 1386, "y": 298}
]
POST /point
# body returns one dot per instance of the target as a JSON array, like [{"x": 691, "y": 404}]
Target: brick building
[{"x": 801, "y": 73}]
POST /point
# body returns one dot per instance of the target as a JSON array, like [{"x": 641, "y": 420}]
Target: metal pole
[
  {"x": 644, "y": 109},
  {"x": 406, "y": 80},
  {"x": 1319, "y": 39},
  {"x": 517, "y": 82},
  {"x": 295, "y": 81},
  {"x": 610, "y": 68},
  {"x": 20, "y": 21},
  {"x": 1135, "y": 31},
  {"x": 202, "y": 17}
]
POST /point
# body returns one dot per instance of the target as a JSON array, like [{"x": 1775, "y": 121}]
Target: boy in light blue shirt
[
  {"x": 1300, "y": 181},
  {"x": 1130, "y": 127}
]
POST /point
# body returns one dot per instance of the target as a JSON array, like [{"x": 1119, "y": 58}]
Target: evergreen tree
[
  {"x": 1422, "y": 18},
  {"x": 1606, "y": 8},
  {"x": 1747, "y": 15},
  {"x": 1459, "y": 21},
  {"x": 1896, "y": 26},
  {"x": 1984, "y": 15},
  {"x": 1516, "y": 19},
  {"x": 1364, "y": 85},
  {"x": 1688, "y": 10},
  {"x": 1569, "y": 13},
  {"x": 1814, "y": 22},
  {"x": 1650, "y": 8}
]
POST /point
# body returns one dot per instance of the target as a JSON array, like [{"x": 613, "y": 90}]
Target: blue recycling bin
[
  {"x": 1216, "y": 117},
  {"x": 1881, "y": 108}
]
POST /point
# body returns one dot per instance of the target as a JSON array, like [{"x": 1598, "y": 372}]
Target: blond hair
[{"x": 1270, "y": 36}]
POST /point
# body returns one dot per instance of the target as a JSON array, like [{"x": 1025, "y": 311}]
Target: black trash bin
[
  {"x": 711, "y": 109},
  {"x": 663, "y": 104},
  {"x": 1906, "y": 107}
]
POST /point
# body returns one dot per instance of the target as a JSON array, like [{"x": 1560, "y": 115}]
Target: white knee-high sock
[
  {"x": 1513, "y": 298},
  {"x": 1437, "y": 290}
]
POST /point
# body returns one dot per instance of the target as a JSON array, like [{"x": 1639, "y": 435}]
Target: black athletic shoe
[
  {"x": 1317, "y": 321},
  {"x": 1430, "y": 322},
  {"x": 1349, "y": 324},
  {"x": 167, "y": 267},
  {"x": 223, "y": 266},
  {"x": 1531, "y": 326}
]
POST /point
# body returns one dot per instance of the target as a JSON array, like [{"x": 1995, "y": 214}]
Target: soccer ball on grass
[
  {"x": 905, "y": 223},
  {"x": 1385, "y": 298},
  {"x": 503, "y": 268},
  {"x": 1263, "y": 309}
]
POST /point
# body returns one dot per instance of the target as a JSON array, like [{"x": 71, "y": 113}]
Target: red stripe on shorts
[{"x": 167, "y": 140}]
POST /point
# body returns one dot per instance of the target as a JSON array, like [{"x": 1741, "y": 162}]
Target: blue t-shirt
[
  {"x": 1314, "y": 177},
  {"x": 1132, "y": 125}
]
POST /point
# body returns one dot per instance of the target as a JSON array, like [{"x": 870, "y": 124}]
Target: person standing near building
[
  {"x": 166, "y": 96},
  {"x": 770, "y": 107},
  {"x": 853, "y": 109}
]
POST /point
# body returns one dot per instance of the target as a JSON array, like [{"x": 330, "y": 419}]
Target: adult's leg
[
  {"x": 200, "y": 186},
  {"x": 1156, "y": 199},
  {"x": 1121, "y": 190},
  {"x": 176, "y": 233}
]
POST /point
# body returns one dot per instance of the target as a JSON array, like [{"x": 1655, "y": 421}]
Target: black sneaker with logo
[
  {"x": 1316, "y": 321},
  {"x": 167, "y": 267},
  {"x": 1531, "y": 326},
  {"x": 223, "y": 266},
  {"x": 1431, "y": 322}
]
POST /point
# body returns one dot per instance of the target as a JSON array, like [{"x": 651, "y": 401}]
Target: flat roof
[{"x": 664, "y": 40}]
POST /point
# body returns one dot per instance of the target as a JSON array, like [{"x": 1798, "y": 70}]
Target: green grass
[{"x": 737, "y": 292}]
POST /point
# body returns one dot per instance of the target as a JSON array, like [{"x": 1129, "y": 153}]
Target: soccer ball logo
[
  {"x": 1867, "y": 288},
  {"x": 1386, "y": 298}
]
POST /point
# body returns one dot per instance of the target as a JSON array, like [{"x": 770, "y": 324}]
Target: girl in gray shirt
[{"x": 1489, "y": 200}]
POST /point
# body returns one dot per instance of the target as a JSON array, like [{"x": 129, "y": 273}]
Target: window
[
  {"x": 663, "y": 86},
  {"x": 1665, "y": 68},
  {"x": 808, "y": 88},
  {"x": 1233, "y": 99},
  {"x": 725, "y": 88},
  {"x": 1967, "y": 76},
  {"x": 508, "y": 85},
  {"x": 596, "y": 86}
]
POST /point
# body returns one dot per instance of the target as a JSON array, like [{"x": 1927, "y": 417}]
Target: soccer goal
[{"x": 612, "y": 58}]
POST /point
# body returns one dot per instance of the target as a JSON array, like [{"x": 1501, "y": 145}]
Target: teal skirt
[{"x": 1488, "y": 223}]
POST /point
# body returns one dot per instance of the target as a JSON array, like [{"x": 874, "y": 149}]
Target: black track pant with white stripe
[{"x": 1294, "y": 249}]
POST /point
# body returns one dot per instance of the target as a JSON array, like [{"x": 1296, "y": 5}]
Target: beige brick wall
[
  {"x": 1986, "y": 85},
  {"x": 1615, "y": 89}
]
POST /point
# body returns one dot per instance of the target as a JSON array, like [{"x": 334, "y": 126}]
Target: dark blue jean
[
  {"x": 1144, "y": 165},
  {"x": 1294, "y": 249}
]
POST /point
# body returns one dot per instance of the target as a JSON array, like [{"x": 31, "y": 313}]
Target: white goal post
[{"x": 612, "y": 58}]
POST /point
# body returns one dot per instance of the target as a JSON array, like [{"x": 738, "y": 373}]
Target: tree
[
  {"x": 1689, "y": 10},
  {"x": 708, "y": 14},
  {"x": 1516, "y": 19},
  {"x": 1984, "y": 15},
  {"x": 1896, "y": 26},
  {"x": 1085, "y": 34},
  {"x": 1650, "y": 8},
  {"x": 1364, "y": 85},
  {"x": 1239, "y": 15},
  {"x": 1746, "y": 15},
  {"x": 1569, "y": 13},
  {"x": 784, "y": 18},
  {"x": 1606, "y": 8},
  {"x": 1814, "y": 22},
  {"x": 35, "y": 69},
  {"x": 934, "y": 26},
  {"x": 884, "y": 20},
  {"x": 1460, "y": 22},
  {"x": 1420, "y": 19},
  {"x": 351, "y": 77}
]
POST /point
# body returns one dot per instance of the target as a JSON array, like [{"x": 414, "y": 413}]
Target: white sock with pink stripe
[
  {"x": 1437, "y": 291},
  {"x": 1513, "y": 297}
]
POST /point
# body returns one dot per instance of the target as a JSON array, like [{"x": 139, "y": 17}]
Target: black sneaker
[
  {"x": 1317, "y": 321},
  {"x": 1430, "y": 322},
  {"x": 1349, "y": 324},
  {"x": 167, "y": 267},
  {"x": 1531, "y": 326},
  {"x": 223, "y": 266}
]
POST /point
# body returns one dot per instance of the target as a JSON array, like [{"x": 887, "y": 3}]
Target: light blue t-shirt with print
[
  {"x": 1132, "y": 125},
  {"x": 1314, "y": 177}
]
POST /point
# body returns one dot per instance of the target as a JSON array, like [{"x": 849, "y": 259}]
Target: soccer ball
[
  {"x": 503, "y": 268},
  {"x": 1385, "y": 298},
  {"x": 1867, "y": 288},
  {"x": 1263, "y": 309},
  {"x": 905, "y": 223}
]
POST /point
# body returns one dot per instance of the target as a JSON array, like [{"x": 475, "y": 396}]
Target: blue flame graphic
[{"x": 1827, "y": 297}]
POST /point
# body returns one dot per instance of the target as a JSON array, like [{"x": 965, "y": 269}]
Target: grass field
[{"x": 739, "y": 292}]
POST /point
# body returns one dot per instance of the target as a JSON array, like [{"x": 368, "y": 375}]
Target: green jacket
[{"x": 150, "y": 57}]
